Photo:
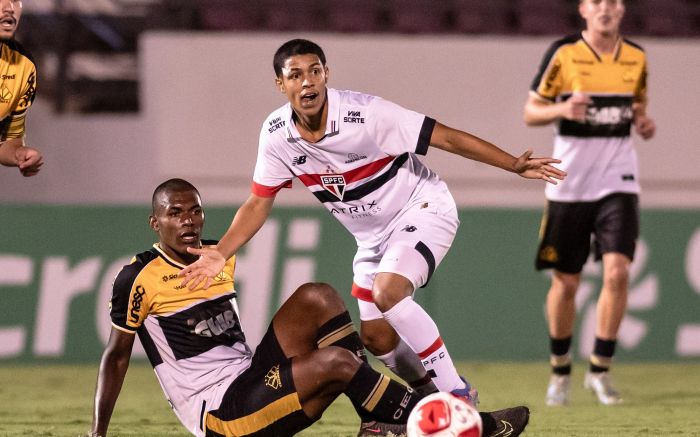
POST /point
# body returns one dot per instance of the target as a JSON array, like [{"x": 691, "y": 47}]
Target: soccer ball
[{"x": 444, "y": 415}]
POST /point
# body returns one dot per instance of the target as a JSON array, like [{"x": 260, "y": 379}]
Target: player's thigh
[
  {"x": 616, "y": 227},
  {"x": 565, "y": 236},
  {"x": 263, "y": 400},
  {"x": 419, "y": 242}
]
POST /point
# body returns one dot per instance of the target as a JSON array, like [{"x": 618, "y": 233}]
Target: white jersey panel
[{"x": 595, "y": 168}]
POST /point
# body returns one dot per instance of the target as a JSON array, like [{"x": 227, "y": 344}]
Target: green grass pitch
[{"x": 660, "y": 399}]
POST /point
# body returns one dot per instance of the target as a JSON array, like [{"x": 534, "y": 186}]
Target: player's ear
[
  {"x": 280, "y": 85},
  {"x": 325, "y": 68},
  {"x": 153, "y": 223}
]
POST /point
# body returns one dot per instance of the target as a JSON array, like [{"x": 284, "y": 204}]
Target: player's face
[
  {"x": 11, "y": 11},
  {"x": 178, "y": 221},
  {"x": 602, "y": 16},
  {"x": 303, "y": 81}
]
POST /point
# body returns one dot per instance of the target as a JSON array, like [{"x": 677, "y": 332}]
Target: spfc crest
[{"x": 335, "y": 184}]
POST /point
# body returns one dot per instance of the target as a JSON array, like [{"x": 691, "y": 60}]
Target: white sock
[
  {"x": 406, "y": 365},
  {"x": 421, "y": 334}
]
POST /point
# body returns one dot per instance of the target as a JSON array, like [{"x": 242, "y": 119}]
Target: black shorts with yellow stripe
[
  {"x": 263, "y": 400},
  {"x": 565, "y": 235}
]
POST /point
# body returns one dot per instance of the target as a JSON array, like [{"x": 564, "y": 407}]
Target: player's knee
[
  {"x": 321, "y": 295},
  {"x": 339, "y": 364},
  {"x": 389, "y": 289},
  {"x": 616, "y": 278},
  {"x": 565, "y": 284}
]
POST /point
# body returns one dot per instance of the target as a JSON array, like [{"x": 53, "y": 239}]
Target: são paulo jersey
[
  {"x": 193, "y": 338},
  {"x": 597, "y": 155},
  {"x": 364, "y": 170}
]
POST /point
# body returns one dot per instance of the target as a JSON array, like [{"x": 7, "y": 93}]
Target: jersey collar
[
  {"x": 168, "y": 259},
  {"x": 332, "y": 121}
]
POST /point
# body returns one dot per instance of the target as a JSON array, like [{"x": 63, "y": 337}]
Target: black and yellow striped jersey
[
  {"x": 193, "y": 338},
  {"x": 17, "y": 88},
  {"x": 597, "y": 154},
  {"x": 613, "y": 81}
]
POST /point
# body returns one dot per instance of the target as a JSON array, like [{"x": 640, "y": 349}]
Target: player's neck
[
  {"x": 601, "y": 42},
  {"x": 312, "y": 128}
]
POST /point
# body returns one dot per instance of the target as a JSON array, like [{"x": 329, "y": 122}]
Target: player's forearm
[
  {"x": 540, "y": 114},
  {"x": 471, "y": 147},
  {"x": 8, "y": 150},
  {"x": 248, "y": 220},
  {"x": 113, "y": 369}
]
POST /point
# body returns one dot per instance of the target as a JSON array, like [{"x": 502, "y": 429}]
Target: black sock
[
  {"x": 339, "y": 331},
  {"x": 603, "y": 352},
  {"x": 386, "y": 400},
  {"x": 560, "y": 358}
]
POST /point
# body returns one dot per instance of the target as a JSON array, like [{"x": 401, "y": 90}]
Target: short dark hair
[
  {"x": 296, "y": 47},
  {"x": 168, "y": 186}
]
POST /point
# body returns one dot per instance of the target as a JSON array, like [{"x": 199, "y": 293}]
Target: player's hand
[
  {"x": 210, "y": 263},
  {"x": 538, "y": 168},
  {"x": 645, "y": 126},
  {"x": 575, "y": 107},
  {"x": 28, "y": 160}
]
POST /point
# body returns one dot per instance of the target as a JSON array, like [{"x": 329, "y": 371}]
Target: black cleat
[
  {"x": 509, "y": 422},
  {"x": 381, "y": 429}
]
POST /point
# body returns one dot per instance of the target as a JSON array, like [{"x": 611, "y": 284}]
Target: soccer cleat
[
  {"x": 509, "y": 422},
  {"x": 601, "y": 384},
  {"x": 558, "y": 390},
  {"x": 469, "y": 393},
  {"x": 381, "y": 429}
]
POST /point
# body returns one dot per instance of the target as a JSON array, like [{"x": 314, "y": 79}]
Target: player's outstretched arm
[
  {"x": 115, "y": 362},
  {"x": 472, "y": 147},
  {"x": 247, "y": 222}
]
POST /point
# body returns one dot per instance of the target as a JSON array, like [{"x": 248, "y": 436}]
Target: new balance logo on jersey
[
  {"x": 409, "y": 228},
  {"x": 298, "y": 160},
  {"x": 334, "y": 184}
]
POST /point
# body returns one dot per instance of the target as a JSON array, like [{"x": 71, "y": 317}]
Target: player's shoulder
[
  {"x": 276, "y": 120},
  {"x": 128, "y": 274},
  {"x": 348, "y": 97},
  {"x": 17, "y": 47},
  {"x": 564, "y": 43},
  {"x": 633, "y": 45}
]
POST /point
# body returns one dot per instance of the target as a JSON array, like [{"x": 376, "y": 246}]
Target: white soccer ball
[{"x": 444, "y": 415}]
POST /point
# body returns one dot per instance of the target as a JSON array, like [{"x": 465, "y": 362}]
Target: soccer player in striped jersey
[
  {"x": 193, "y": 338},
  {"x": 357, "y": 154},
  {"x": 593, "y": 86},
  {"x": 17, "y": 94}
]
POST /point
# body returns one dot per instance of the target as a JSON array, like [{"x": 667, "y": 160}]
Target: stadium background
[{"x": 201, "y": 94}]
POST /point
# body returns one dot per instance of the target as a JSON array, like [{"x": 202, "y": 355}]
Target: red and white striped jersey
[{"x": 364, "y": 170}]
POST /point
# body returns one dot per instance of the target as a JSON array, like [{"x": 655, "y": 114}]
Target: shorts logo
[
  {"x": 273, "y": 379},
  {"x": 549, "y": 254},
  {"x": 335, "y": 184}
]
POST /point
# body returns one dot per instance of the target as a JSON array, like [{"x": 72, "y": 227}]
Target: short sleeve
[
  {"x": 548, "y": 80},
  {"x": 129, "y": 306},
  {"x": 271, "y": 174},
  {"x": 397, "y": 130}
]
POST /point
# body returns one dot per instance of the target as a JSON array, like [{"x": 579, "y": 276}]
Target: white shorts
[{"x": 413, "y": 248}]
